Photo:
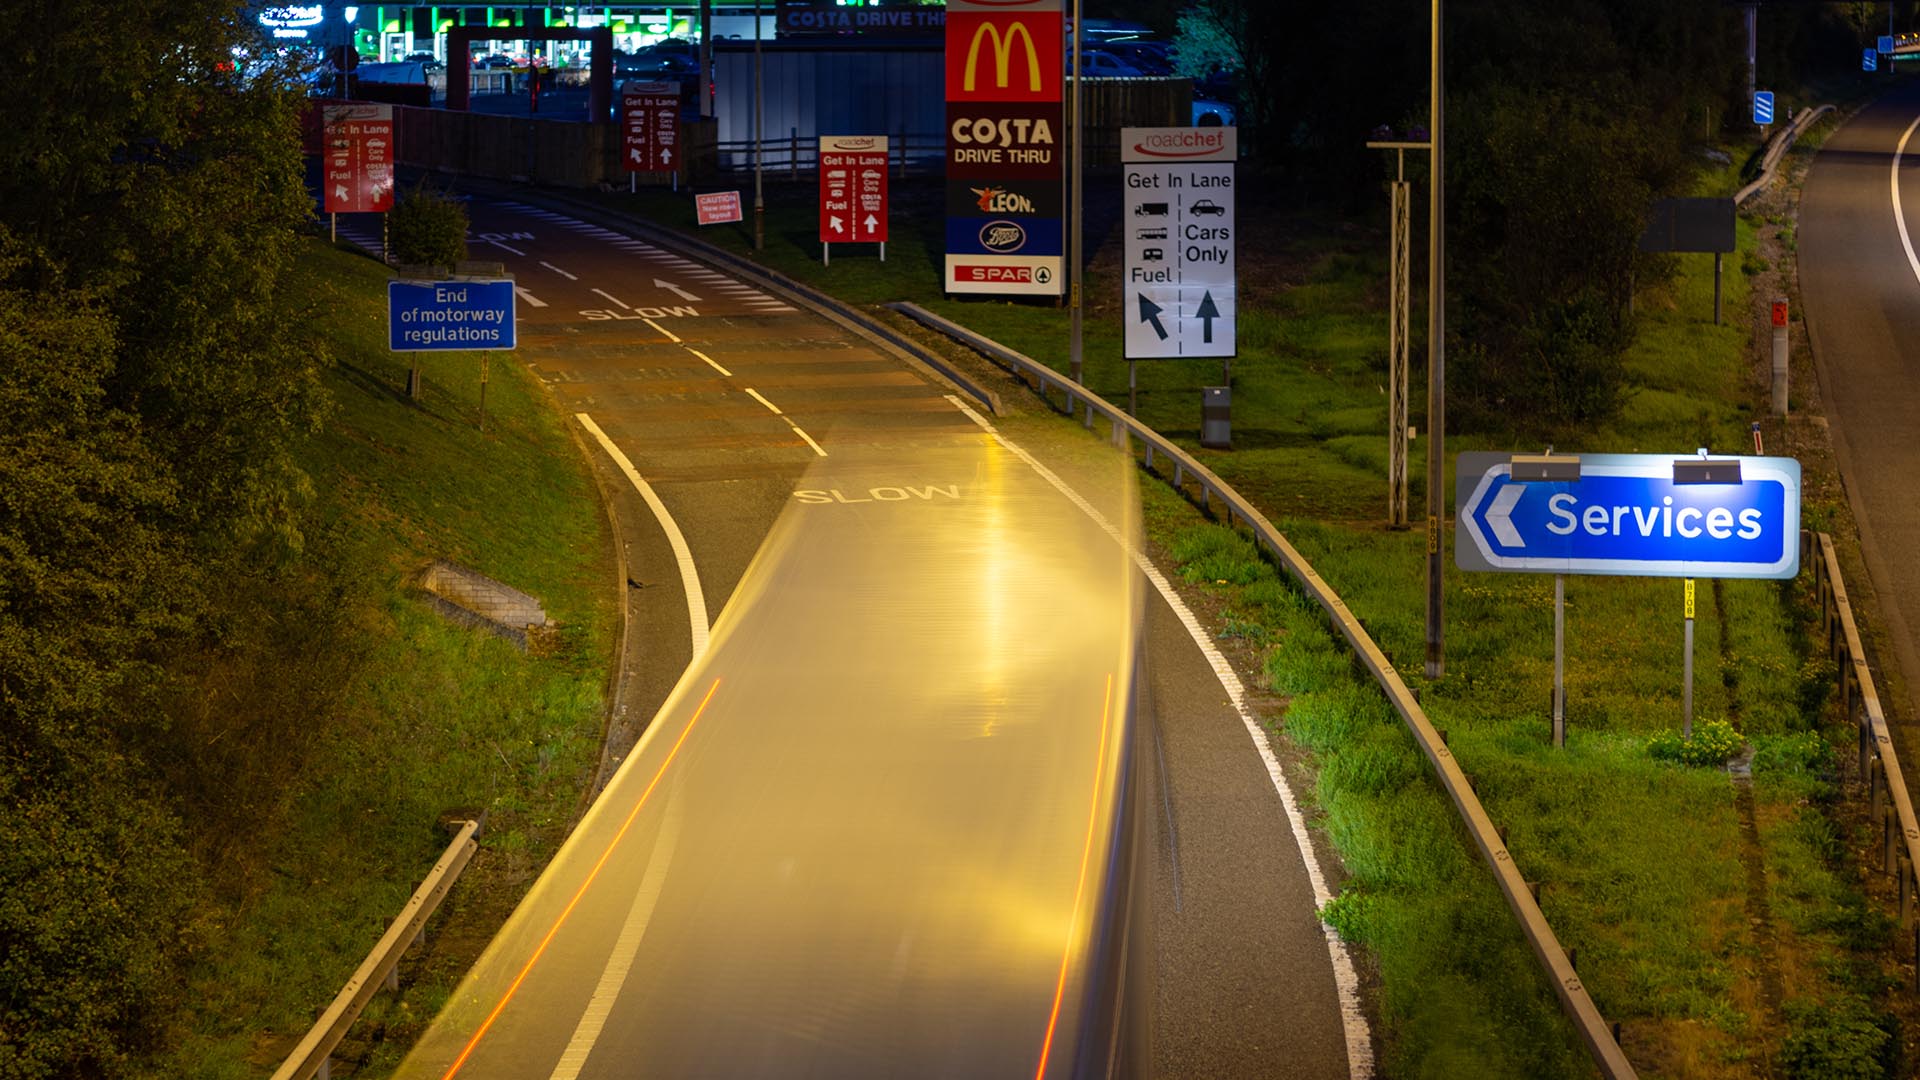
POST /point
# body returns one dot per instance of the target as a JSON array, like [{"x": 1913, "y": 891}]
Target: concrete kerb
[{"x": 842, "y": 315}]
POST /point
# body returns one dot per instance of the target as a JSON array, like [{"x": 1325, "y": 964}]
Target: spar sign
[
  {"x": 1004, "y": 140},
  {"x": 358, "y": 160}
]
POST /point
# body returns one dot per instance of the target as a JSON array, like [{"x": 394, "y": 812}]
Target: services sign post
[
  {"x": 650, "y": 122},
  {"x": 853, "y": 192},
  {"x": 1005, "y": 233},
  {"x": 1178, "y": 218},
  {"x": 359, "y": 159},
  {"x": 1628, "y": 515}
]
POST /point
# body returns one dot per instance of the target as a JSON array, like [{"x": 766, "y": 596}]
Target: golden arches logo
[{"x": 1002, "y": 56}]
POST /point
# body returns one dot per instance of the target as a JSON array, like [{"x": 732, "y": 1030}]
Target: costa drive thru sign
[
  {"x": 1005, "y": 232},
  {"x": 1178, "y": 224},
  {"x": 1627, "y": 515}
]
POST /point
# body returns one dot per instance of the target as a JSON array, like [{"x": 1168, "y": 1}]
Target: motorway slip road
[{"x": 714, "y": 409}]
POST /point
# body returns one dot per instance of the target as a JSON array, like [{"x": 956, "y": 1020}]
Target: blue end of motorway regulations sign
[
  {"x": 430, "y": 316},
  {"x": 1627, "y": 516}
]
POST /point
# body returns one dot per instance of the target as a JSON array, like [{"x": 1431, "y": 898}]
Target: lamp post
[
  {"x": 1437, "y": 353},
  {"x": 759, "y": 199},
  {"x": 1074, "y": 255}
]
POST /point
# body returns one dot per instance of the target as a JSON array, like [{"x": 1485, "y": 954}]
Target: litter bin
[{"x": 1216, "y": 426}]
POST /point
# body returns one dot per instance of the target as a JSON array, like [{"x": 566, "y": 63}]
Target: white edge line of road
[
  {"x": 796, "y": 430},
  {"x": 710, "y": 361},
  {"x": 1346, "y": 981},
  {"x": 1899, "y": 216},
  {"x": 613, "y": 977},
  {"x": 755, "y": 395},
  {"x": 689, "y": 574}
]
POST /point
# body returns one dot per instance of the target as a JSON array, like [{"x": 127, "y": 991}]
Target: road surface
[{"x": 721, "y": 415}]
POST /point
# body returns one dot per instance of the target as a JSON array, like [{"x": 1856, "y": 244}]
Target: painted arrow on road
[
  {"x": 676, "y": 290},
  {"x": 1206, "y": 313},
  {"x": 1150, "y": 313}
]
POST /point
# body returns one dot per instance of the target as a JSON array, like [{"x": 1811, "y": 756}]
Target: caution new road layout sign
[{"x": 1178, "y": 298}]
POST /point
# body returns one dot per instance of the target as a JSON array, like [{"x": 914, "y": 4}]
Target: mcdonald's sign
[{"x": 1004, "y": 56}]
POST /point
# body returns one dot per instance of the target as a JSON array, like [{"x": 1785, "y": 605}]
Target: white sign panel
[{"x": 1179, "y": 293}]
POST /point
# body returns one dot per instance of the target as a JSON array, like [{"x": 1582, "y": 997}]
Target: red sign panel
[
  {"x": 1779, "y": 313},
  {"x": 650, "y": 121},
  {"x": 1014, "y": 56},
  {"x": 358, "y": 145},
  {"x": 853, "y": 189},
  {"x": 718, "y": 207}
]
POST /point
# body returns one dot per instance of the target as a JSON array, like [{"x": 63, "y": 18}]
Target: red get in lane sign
[
  {"x": 650, "y": 120},
  {"x": 853, "y": 189},
  {"x": 358, "y": 140}
]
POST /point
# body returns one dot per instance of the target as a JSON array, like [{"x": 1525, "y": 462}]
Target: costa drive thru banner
[{"x": 1005, "y": 142}]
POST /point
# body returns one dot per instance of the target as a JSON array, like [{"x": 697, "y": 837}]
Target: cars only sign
[
  {"x": 853, "y": 189},
  {"x": 1178, "y": 288}
]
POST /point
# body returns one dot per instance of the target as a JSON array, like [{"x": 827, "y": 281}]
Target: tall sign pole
[
  {"x": 759, "y": 199},
  {"x": 1076, "y": 264},
  {"x": 1437, "y": 364}
]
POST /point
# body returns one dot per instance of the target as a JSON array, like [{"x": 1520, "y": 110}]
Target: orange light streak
[
  {"x": 514, "y": 987},
  {"x": 1079, "y": 890}
]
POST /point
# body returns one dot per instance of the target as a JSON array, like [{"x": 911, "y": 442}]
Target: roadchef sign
[
  {"x": 1004, "y": 142},
  {"x": 853, "y": 189},
  {"x": 358, "y": 161}
]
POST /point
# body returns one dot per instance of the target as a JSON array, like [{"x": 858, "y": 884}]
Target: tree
[{"x": 151, "y": 396}]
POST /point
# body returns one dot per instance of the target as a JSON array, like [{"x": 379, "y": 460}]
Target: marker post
[
  {"x": 1686, "y": 692},
  {"x": 1559, "y": 660}
]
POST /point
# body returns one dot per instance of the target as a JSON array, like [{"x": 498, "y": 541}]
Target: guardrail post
[
  {"x": 793, "y": 153},
  {"x": 1906, "y": 891},
  {"x": 1887, "y": 830},
  {"x": 1873, "y": 779}
]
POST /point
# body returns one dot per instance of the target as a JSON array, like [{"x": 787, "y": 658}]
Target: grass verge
[{"x": 397, "y": 716}]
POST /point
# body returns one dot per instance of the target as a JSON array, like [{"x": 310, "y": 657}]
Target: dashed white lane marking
[
  {"x": 670, "y": 335},
  {"x": 613, "y": 977},
  {"x": 504, "y": 247},
  {"x": 613, "y": 298},
  {"x": 689, "y": 574},
  {"x": 1346, "y": 983},
  {"x": 796, "y": 430},
  {"x": 710, "y": 361},
  {"x": 771, "y": 407},
  {"x": 528, "y": 297},
  {"x": 562, "y": 273}
]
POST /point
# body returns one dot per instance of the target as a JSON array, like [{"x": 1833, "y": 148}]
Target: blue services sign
[
  {"x": 1626, "y": 516},
  {"x": 426, "y": 316},
  {"x": 1763, "y": 107},
  {"x": 1886, "y": 44}
]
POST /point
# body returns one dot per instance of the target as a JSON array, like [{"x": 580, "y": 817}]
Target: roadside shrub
[
  {"x": 1712, "y": 744},
  {"x": 1818, "y": 676},
  {"x": 427, "y": 228},
  {"x": 1839, "y": 1041},
  {"x": 1804, "y": 753}
]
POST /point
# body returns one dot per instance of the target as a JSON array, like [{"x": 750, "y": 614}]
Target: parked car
[
  {"x": 1212, "y": 113},
  {"x": 1099, "y": 64},
  {"x": 496, "y": 60}
]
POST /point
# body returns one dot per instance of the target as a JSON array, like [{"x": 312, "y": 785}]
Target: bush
[
  {"x": 1841, "y": 1041},
  {"x": 427, "y": 228},
  {"x": 1712, "y": 744}
]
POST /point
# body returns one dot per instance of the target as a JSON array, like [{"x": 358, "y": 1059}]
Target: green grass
[
  {"x": 413, "y": 717},
  {"x": 1644, "y": 865}
]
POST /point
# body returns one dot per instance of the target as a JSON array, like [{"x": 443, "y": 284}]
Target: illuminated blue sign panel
[
  {"x": 1886, "y": 44},
  {"x": 1627, "y": 516},
  {"x": 430, "y": 316},
  {"x": 1869, "y": 61},
  {"x": 1763, "y": 107}
]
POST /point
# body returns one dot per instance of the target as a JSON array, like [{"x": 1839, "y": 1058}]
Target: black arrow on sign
[
  {"x": 1206, "y": 313},
  {"x": 1150, "y": 312}
]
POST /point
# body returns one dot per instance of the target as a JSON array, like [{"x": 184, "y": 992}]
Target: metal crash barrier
[{"x": 309, "y": 1058}]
